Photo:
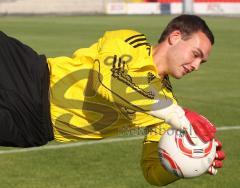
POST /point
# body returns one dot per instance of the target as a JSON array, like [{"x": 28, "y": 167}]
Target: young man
[{"x": 119, "y": 83}]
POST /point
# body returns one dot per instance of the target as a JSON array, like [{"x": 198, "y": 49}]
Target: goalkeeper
[{"x": 120, "y": 82}]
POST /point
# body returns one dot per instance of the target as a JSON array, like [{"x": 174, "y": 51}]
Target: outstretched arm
[{"x": 152, "y": 169}]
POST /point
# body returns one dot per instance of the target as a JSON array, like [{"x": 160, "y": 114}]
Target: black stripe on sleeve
[
  {"x": 134, "y": 36},
  {"x": 141, "y": 44},
  {"x": 138, "y": 40}
]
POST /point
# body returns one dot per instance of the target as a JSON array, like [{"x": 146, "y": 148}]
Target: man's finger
[
  {"x": 217, "y": 164},
  {"x": 220, "y": 155},
  {"x": 219, "y": 144},
  {"x": 212, "y": 170}
]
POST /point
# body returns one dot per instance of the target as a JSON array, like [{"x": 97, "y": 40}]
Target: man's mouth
[{"x": 186, "y": 70}]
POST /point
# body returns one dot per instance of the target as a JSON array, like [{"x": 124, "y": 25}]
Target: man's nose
[{"x": 196, "y": 64}]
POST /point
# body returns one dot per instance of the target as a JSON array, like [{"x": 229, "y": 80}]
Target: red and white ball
[{"x": 180, "y": 157}]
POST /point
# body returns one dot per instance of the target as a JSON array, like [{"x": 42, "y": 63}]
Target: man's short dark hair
[{"x": 187, "y": 25}]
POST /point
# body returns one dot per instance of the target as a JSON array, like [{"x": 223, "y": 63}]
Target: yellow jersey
[{"x": 107, "y": 88}]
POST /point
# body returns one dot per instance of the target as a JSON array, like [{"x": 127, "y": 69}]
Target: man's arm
[{"x": 152, "y": 169}]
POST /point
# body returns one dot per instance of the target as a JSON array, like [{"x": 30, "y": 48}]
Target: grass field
[{"x": 213, "y": 91}]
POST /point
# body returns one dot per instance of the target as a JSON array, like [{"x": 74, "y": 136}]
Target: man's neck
[{"x": 159, "y": 59}]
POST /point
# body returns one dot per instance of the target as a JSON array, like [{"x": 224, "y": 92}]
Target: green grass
[{"x": 213, "y": 91}]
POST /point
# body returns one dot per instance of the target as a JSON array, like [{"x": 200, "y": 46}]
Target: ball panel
[{"x": 169, "y": 164}]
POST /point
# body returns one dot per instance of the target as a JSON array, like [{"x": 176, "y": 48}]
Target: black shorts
[{"x": 24, "y": 102}]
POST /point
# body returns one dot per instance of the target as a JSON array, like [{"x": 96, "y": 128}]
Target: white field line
[{"x": 84, "y": 143}]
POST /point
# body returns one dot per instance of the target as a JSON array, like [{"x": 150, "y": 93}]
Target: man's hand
[
  {"x": 204, "y": 129},
  {"x": 217, "y": 163},
  {"x": 174, "y": 115},
  {"x": 198, "y": 128}
]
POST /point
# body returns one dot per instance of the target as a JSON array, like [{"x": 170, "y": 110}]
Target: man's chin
[{"x": 177, "y": 76}]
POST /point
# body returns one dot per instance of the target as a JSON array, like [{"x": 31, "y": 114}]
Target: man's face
[{"x": 185, "y": 56}]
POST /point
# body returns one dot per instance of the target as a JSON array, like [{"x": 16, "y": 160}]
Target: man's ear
[{"x": 174, "y": 37}]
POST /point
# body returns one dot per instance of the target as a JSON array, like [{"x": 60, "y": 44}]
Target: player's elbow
[
  {"x": 154, "y": 177},
  {"x": 154, "y": 182}
]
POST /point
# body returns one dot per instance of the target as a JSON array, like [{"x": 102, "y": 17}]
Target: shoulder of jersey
[{"x": 131, "y": 37}]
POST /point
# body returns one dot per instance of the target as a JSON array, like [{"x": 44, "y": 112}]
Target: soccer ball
[{"x": 180, "y": 157}]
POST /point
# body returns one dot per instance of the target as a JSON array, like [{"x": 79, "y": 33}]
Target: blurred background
[{"x": 209, "y": 7}]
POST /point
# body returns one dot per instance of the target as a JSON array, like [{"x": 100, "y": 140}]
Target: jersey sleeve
[
  {"x": 152, "y": 169},
  {"x": 124, "y": 72}
]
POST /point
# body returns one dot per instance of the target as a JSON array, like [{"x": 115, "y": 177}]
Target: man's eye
[{"x": 195, "y": 54}]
